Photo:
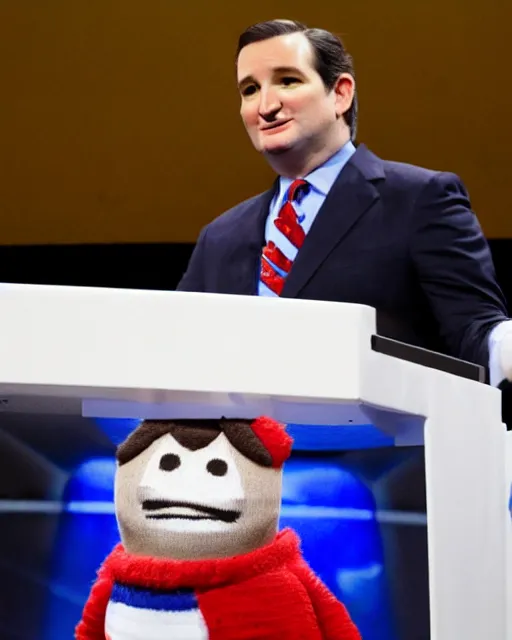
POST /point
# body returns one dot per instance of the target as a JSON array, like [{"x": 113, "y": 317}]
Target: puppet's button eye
[
  {"x": 217, "y": 467},
  {"x": 169, "y": 462}
]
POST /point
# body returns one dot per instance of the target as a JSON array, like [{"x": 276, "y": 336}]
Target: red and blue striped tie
[{"x": 288, "y": 225}]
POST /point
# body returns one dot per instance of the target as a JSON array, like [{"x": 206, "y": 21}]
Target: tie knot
[{"x": 297, "y": 189}]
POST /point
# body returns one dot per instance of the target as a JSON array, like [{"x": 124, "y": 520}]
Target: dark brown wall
[{"x": 119, "y": 119}]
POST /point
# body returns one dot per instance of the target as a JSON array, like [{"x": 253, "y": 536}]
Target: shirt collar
[{"x": 323, "y": 177}]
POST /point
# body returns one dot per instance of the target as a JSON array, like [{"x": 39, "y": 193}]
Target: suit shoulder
[
  {"x": 410, "y": 175},
  {"x": 402, "y": 176}
]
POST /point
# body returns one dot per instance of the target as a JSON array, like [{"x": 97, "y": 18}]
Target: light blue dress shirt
[
  {"x": 496, "y": 374},
  {"x": 320, "y": 181}
]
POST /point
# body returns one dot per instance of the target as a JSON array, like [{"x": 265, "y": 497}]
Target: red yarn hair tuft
[{"x": 275, "y": 439}]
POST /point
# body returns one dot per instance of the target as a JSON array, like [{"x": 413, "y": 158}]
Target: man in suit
[{"x": 341, "y": 224}]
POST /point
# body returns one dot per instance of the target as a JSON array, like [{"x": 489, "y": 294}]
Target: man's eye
[
  {"x": 288, "y": 80},
  {"x": 249, "y": 90}
]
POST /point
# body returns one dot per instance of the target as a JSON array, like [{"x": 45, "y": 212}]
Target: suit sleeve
[
  {"x": 455, "y": 268},
  {"x": 92, "y": 624},
  {"x": 333, "y": 618},
  {"x": 194, "y": 277}
]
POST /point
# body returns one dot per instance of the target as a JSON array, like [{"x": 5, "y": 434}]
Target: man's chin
[
  {"x": 275, "y": 144},
  {"x": 276, "y": 149}
]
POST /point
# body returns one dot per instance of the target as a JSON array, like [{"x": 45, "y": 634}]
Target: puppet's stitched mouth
[{"x": 199, "y": 511}]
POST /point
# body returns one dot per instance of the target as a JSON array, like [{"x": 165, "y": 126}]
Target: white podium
[{"x": 123, "y": 353}]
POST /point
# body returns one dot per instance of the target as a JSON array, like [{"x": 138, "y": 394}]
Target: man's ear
[{"x": 344, "y": 90}]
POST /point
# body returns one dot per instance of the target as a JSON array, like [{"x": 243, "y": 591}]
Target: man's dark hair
[{"x": 330, "y": 57}]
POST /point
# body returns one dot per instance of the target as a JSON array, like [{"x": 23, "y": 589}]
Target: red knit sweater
[{"x": 270, "y": 593}]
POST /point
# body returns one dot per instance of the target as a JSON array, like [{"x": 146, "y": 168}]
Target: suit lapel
[
  {"x": 244, "y": 263},
  {"x": 351, "y": 195}
]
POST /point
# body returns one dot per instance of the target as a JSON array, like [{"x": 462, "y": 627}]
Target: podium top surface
[{"x": 132, "y": 353}]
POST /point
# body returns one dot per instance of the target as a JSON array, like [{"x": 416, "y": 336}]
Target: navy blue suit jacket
[{"x": 397, "y": 237}]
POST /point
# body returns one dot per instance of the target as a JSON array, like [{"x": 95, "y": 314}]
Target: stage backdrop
[{"x": 119, "y": 118}]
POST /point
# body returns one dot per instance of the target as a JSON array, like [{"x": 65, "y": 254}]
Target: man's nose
[{"x": 270, "y": 104}]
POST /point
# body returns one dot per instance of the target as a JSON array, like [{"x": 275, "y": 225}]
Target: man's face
[{"x": 285, "y": 104}]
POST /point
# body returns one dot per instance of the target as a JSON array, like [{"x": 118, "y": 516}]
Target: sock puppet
[{"x": 197, "y": 504}]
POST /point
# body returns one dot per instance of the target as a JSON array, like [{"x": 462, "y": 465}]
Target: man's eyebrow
[
  {"x": 245, "y": 80},
  {"x": 249, "y": 78},
  {"x": 287, "y": 70}
]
